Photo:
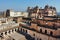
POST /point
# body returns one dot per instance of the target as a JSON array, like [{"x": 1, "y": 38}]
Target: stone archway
[
  {"x": 45, "y": 31},
  {"x": 41, "y": 30},
  {"x": 5, "y": 33},
  {"x": 2, "y": 34},
  {"x": 9, "y": 32},
  {"x": 15, "y": 29},
  {"x": 12, "y": 30},
  {"x": 51, "y": 33}
]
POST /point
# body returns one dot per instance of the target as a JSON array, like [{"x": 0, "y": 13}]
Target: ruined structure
[
  {"x": 40, "y": 13},
  {"x": 38, "y": 24}
]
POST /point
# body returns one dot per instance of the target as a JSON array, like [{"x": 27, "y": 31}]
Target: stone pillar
[
  {"x": 7, "y": 32},
  {"x": 11, "y": 31},
  {"x": 14, "y": 30},
  {"x": 3, "y": 33}
]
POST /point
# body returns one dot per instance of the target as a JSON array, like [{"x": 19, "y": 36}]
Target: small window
[
  {"x": 41, "y": 30},
  {"x": 51, "y": 33}
]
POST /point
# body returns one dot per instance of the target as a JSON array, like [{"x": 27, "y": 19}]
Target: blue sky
[{"x": 21, "y": 5}]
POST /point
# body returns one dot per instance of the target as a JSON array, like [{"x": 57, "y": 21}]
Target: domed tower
[
  {"x": 9, "y": 12},
  {"x": 36, "y": 7},
  {"x": 51, "y": 7},
  {"x": 28, "y": 9},
  {"x": 54, "y": 11},
  {"x": 36, "y": 11},
  {"x": 54, "y": 8},
  {"x": 46, "y": 7}
]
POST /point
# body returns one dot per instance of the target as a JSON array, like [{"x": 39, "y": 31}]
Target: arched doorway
[
  {"x": 45, "y": 31},
  {"x": 5, "y": 33},
  {"x": 41, "y": 30},
  {"x": 51, "y": 33}
]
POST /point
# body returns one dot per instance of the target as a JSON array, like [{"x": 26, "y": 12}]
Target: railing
[
  {"x": 8, "y": 27},
  {"x": 32, "y": 29}
]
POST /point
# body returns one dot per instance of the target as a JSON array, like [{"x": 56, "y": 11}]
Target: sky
[{"x": 21, "y": 5}]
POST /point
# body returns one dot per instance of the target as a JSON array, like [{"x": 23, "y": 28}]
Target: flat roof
[
  {"x": 17, "y": 36},
  {"x": 7, "y": 26}
]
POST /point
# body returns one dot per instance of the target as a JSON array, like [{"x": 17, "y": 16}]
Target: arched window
[
  {"x": 26, "y": 31},
  {"x": 5, "y": 33},
  {"x": 51, "y": 33},
  {"x": 9, "y": 31},
  {"x": 12, "y": 30},
  {"x": 21, "y": 29},
  {"x": 45, "y": 31},
  {"x": 1, "y": 33},
  {"x": 18, "y": 29},
  {"x": 15, "y": 29},
  {"x": 41, "y": 30}
]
